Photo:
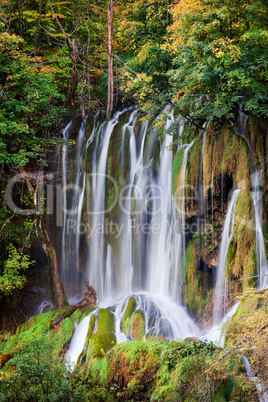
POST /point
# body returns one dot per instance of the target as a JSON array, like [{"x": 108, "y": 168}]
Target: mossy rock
[
  {"x": 36, "y": 325},
  {"x": 105, "y": 321},
  {"x": 102, "y": 343},
  {"x": 125, "y": 323},
  {"x": 196, "y": 296},
  {"x": 62, "y": 337},
  {"x": 137, "y": 329},
  {"x": 77, "y": 316},
  {"x": 91, "y": 325}
]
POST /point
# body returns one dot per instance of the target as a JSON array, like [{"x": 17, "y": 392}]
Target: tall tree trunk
[
  {"x": 44, "y": 238},
  {"x": 110, "y": 59},
  {"x": 20, "y": 22},
  {"x": 38, "y": 25},
  {"x": 51, "y": 254},
  {"x": 73, "y": 83}
]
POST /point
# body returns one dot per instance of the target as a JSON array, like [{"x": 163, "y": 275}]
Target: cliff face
[{"x": 220, "y": 161}]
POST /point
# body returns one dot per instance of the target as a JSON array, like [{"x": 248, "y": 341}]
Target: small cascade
[
  {"x": 78, "y": 341},
  {"x": 215, "y": 333},
  {"x": 260, "y": 385},
  {"x": 220, "y": 298},
  {"x": 262, "y": 266}
]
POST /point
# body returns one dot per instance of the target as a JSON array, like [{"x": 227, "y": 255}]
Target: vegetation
[{"x": 152, "y": 370}]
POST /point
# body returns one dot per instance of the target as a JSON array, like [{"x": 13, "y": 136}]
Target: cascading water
[
  {"x": 97, "y": 247},
  {"x": 72, "y": 213},
  {"x": 221, "y": 284},
  {"x": 78, "y": 340},
  {"x": 149, "y": 249},
  {"x": 261, "y": 261}
]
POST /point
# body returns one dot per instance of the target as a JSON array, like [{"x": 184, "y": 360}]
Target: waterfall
[
  {"x": 221, "y": 283},
  {"x": 97, "y": 246},
  {"x": 145, "y": 258},
  {"x": 146, "y": 218},
  {"x": 262, "y": 266},
  {"x": 160, "y": 243},
  {"x": 70, "y": 235}
]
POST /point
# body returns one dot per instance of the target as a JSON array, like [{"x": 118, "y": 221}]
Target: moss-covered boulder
[
  {"x": 137, "y": 328},
  {"x": 102, "y": 343},
  {"x": 105, "y": 320},
  {"x": 125, "y": 323},
  {"x": 98, "y": 343}
]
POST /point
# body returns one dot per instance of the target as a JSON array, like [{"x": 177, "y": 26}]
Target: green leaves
[
  {"x": 28, "y": 104},
  {"x": 219, "y": 56},
  {"x": 11, "y": 277}
]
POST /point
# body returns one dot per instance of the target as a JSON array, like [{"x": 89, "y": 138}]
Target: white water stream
[{"x": 220, "y": 298}]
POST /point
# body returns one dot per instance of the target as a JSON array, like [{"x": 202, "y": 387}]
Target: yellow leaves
[
  {"x": 187, "y": 6},
  {"x": 219, "y": 54}
]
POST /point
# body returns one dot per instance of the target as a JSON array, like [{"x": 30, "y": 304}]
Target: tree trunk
[
  {"x": 110, "y": 59},
  {"x": 51, "y": 254},
  {"x": 38, "y": 25},
  {"x": 20, "y": 22},
  {"x": 73, "y": 82},
  {"x": 43, "y": 237}
]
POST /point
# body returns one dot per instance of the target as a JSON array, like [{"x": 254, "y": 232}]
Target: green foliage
[
  {"x": 152, "y": 370},
  {"x": 38, "y": 374},
  {"x": 11, "y": 276},
  {"x": 215, "y": 56},
  {"x": 27, "y": 103}
]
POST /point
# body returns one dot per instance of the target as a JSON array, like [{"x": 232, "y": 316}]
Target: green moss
[
  {"x": 195, "y": 295},
  {"x": 102, "y": 343},
  {"x": 176, "y": 169},
  {"x": 91, "y": 325},
  {"x": 38, "y": 326},
  {"x": 244, "y": 241},
  {"x": 231, "y": 255},
  {"x": 77, "y": 316},
  {"x": 193, "y": 164},
  {"x": 125, "y": 323},
  {"x": 105, "y": 321},
  {"x": 35, "y": 325},
  {"x": 61, "y": 338},
  {"x": 137, "y": 329}
]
